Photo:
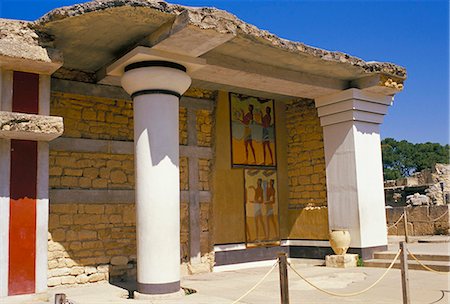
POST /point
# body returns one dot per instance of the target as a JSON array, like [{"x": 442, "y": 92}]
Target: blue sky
[{"x": 414, "y": 34}]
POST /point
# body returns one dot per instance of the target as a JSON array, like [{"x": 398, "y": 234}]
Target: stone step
[
  {"x": 387, "y": 255},
  {"x": 442, "y": 266}
]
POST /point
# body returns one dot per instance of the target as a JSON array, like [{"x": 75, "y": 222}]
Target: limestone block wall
[
  {"x": 93, "y": 117},
  {"x": 100, "y": 117},
  {"x": 308, "y": 217},
  {"x": 77, "y": 170},
  {"x": 92, "y": 214},
  {"x": 306, "y": 158},
  {"x": 204, "y": 128},
  {"x": 90, "y": 242},
  {"x": 422, "y": 220}
]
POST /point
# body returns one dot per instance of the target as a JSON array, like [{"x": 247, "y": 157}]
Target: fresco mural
[
  {"x": 261, "y": 206},
  {"x": 252, "y": 131}
]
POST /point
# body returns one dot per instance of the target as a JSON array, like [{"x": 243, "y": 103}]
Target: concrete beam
[
  {"x": 30, "y": 126},
  {"x": 64, "y": 196},
  {"x": 380, "y": 83},
  {"x": 181, "y": 37},
  {"x": 108, "y": 196},
  {"x": 29, "y": 65},
  {"x": 117, "y": 147},
  {"x": 238, "y": 73}
]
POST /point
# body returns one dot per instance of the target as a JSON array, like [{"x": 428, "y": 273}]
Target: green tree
[{"x": 402, "y": 158}]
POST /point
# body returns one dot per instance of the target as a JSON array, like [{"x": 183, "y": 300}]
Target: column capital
[
  {"x": 352, "y": 105},
  {"x": 142, "y": 53},
  {"x": 153, "y": 77},
  {"x": 146, "y": 70}
]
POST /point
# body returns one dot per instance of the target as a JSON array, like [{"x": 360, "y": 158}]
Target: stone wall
[
  {"x": 94, "y": 241},
  {"x": 90, "y": 242},
  {"x": 204, "y": 127},
  {"x": 75, "y": 170},
  {"x": 422, "y": 220},
  {"x": 306, "y": 158},
  {"x": 426, "y": 182},
  {"x": 100, "y": 117}
]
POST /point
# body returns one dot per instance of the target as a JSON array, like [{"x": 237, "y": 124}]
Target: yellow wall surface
[
  {"x": 282, "y": 168},
  {"x": 300, "y": 171},
  {"x": 308, "y": 215},
  {"x": 228, "y": 189},
  {"x": 228, "y": 198}
]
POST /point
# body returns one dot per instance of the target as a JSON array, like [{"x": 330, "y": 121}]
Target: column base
[
  {"x": 367, "y": 252},
  {"x": 169, "y": 296},
  {"x": 158, "y": 288}
]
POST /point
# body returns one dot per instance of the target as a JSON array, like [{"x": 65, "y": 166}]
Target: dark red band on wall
[
  {"x": 23, "y": 192},
  {"x": 25, "y": 93},
  {"x": 22, "y": 225}
]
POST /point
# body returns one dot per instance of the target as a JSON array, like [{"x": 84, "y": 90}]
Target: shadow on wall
[{"x": 90, "y": 243}]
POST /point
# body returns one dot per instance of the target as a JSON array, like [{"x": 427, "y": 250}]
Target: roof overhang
[{"x": 235, "y": 56}]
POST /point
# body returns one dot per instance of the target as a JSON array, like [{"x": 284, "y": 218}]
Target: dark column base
[
  {"x": 248, "y": 255},
  {"x": 269, "y": 253},
  {"x": 157, "y": 289},
  {"x": 309, "y": 252},
  {"x": 367, "y": 253}
]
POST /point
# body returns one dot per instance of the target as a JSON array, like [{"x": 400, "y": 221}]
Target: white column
[
  {"x": 5, "y": 160},
  {"x": 155, "y": 87},
  {"x": 42, "y": 208},
  {"x": 5, "y": 152},
  {"x": 354, "y": 170}
]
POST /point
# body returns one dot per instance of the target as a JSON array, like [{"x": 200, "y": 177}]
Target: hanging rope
[
  {"x": 257, "y": 284},
  {"x": 348, "y": 294},
  {"x": 398, "y": 221},
  {"x": 425, "y": 266},
  {"x": 439, "y": 217}
]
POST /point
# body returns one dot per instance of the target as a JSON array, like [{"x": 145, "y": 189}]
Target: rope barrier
[
  {"x": 439, "y": 217},
  {"x": 431, "y": 220},
  {"x": 425, "y": 266},
  {"x": 398, "y": 221},
  {"x": 348, "y": 294},
  {"x": 257, "y": 284}
]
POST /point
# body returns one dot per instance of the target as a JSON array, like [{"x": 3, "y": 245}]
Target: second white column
[{"x": 155, "y": 87}]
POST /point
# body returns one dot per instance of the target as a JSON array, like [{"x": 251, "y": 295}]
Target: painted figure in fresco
[
  {"x": 270, "y": 204},
  {"x": 247, "y": 120},
  {"x": 266, "y": 120},
  {"x": 257, "y": 207}
]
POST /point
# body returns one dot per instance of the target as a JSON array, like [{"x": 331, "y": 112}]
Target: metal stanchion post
[
  {"x": 284, "y": 287},
  {"x": 405, "y": 275},
  {"x": 405, "y": 222}
]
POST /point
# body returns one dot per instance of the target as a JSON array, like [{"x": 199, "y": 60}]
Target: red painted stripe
[
  {"x": 25, "y": 93},
  {"x": 23, "y": 181},
  {"x": 22, "y": 227}
]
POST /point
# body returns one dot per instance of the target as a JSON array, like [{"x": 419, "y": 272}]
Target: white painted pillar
[
  {"x": 155, "y": 87},
  {"x": 42, "y": 201},
  {"x": 354, "y": 170},
  {"x": 5, "y": 162}
]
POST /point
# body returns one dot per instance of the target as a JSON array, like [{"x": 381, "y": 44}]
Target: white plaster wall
[
  {"x": 44, "y": 95},
  {"x": 5, "y": 156},
  {"x": 6, "y": 90},
  {"x": 5, "y": 148},
  {"x": 369, "y": 172},
  {"x": 355, "y": 182},
  {"x": 42, "y": 218},
  {"x": 343, "y": 210}
]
